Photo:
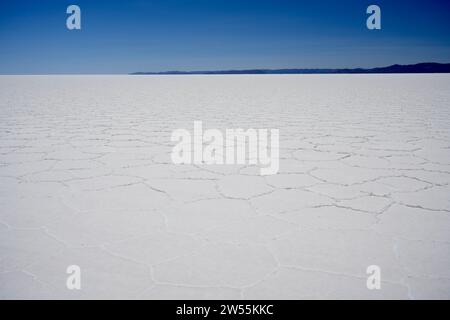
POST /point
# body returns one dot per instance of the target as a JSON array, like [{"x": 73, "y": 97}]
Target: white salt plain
[{"x": 86, "y": 179}]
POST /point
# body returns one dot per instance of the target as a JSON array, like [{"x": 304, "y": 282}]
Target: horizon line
[{"x": 421, "y": 67}]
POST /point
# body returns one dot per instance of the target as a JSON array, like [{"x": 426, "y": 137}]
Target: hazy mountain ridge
[{"x": 428, "y": 67}]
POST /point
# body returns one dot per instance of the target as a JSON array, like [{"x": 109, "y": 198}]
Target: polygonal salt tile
[
  {"x": 257, "y": 229},
  {"x": 149, "y": 172},
  {"x": 370, "y": 204},
  {"x": 405, "y": 161},
  {"x": 186, "y": 189},
  {"x": 20, "y": 248},
  {"x": 294, "y": 166},
  {"x": 315, "y": 155},
  {"x": 336, "y": 191},
  {"x": 102, "y": 275},
  {"x": 435, "y": 177},
  {"x": 69, "y": 153},
  {"x": 18, "y": 157},
  {"x": 24, "y": 189},
  {"x": 436, "y": 198},
  {"x": 21, "y": 169},
  {"x": 294, "y": 180},
  {"x": 435, "y": 154},
  {"x": 205, "y": 214},
  {"x": 428, "y": 259},
  {"x": 32, "y": 212},
  {"x": 77, "y": 165},
  {"x": 102, "y": 182},
  {"x": 218, "y": 265},
  {"x": 288, "y": 200},
  {"x": 294, "y": 284},
  {"x": 350, "y": 175},
  {"x": 104, "y": 226},
  {"x": 405, "y": 184},
  {"x": 137, "y": 197},
  {"x": 243, "y": 187},
  {"x": 330, "y": 217},
  {"x": 367, "y": 162},
  {"x": 155, "y": 248},
  {"x": 335, "y": 251},
  {"x": 19, "y": 285},
  {"x": 414, "y": 224},
  {"x": 222, "y": 169}
]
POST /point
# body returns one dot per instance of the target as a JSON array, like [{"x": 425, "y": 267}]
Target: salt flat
[{"x": 86, "y": 179}]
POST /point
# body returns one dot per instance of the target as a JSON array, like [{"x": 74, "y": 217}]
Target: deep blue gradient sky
[{"x": 156, "y": 35}]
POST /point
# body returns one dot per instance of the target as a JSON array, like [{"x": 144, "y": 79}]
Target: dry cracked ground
[{"x": 86, "y": 179}]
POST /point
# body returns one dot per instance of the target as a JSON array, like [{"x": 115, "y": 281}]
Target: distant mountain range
[{"x": 429, "y": 67}]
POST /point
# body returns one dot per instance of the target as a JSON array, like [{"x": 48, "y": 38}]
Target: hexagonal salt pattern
[{"x": 86, "y": 179}]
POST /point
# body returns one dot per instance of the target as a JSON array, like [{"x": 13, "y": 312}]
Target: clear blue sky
[{"x": 156, "y": 35}]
